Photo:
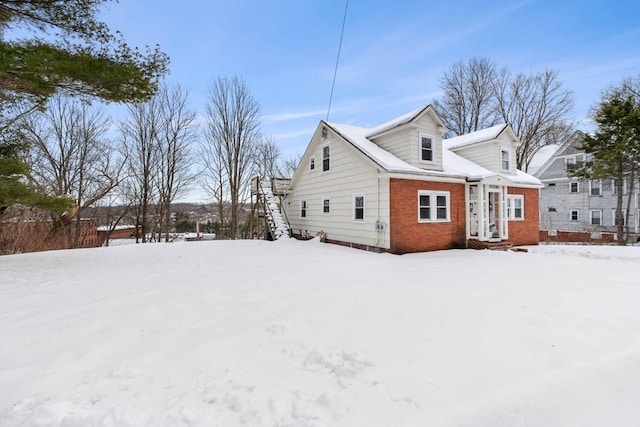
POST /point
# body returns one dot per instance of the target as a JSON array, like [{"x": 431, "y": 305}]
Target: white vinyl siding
[{"x": 351, "y": 173}]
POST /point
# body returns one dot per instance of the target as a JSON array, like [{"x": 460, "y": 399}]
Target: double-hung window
[
  {"x": 515, "y": 207},
  {"x": 312, "y": 163},
  {"x": 303, "y": 208},
  {"x": 574, "y": 215},
  {"x": 326, "y": 158},
  {"x": 574, "y": 187},
  {"x": 433, "y": 206},
  {"x": 358, "y": 207},
  {"x": 595, "y": 217},
  {"x": 613, "y": 217},
  {"x": 595, "y": 187},
  {"x": 326, "y": 205},
  {"x": 427, "y": 148},
  {"x": 505, "y": 159},
  {"x": 615, "y": 187}
]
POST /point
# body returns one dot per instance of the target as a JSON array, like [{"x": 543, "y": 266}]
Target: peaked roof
[
  {"x": 404, "y": 119},
  {"x": 478, "y": 137},
  {"x": 454, "y": 165}
]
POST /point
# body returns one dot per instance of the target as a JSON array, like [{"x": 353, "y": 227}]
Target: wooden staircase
[{"x": 270, "y": 208}]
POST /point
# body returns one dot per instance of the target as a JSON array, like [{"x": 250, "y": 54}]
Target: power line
[{"x": 335, "y": 71}]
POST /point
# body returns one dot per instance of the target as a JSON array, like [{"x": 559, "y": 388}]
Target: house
[
  {"x": 579, "y": 210},
  {"x": 399, "y": 187}
]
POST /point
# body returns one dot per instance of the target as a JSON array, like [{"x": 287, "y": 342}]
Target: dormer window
[
  {"x": 505, "y": 159},
  {"x": 427, "y": 149}
]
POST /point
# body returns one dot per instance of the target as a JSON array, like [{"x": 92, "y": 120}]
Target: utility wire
[{"x": 335, "y": 71}]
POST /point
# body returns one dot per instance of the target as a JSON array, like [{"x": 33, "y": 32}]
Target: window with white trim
[
  {"x": 595, "y": 217},
  {"x": 615, "y": 188},
  {"x": 595, "y": 187},
  {"x": 588, "y": 159},
  {"x": 427, "y": 149},
  {"x": 574, "y": 187},
  {"x": 326, "y": 158},
  {"x": 515, "y": 206},
  {"x": 433, "y": 206},
  {"x": 358, "y": 207},
  {"x": 505, "y": 159},
  {"x": 303, "y": 208},
  {"x": 312, "y": 163},
  {"x": 326, "y": 205},
  {"x": 570, "y": 160},
  {"x": 574, "y": 215},
  {"x": 613, "y": 217}
]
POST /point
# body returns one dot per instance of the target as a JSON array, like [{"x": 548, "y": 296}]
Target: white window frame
[
  {"x": 432, "y": 149},
  {"x": 312, "y": 163},
  {"x": 433, "y": 207},
  {"x": 504, "y": 150},
  {"x": 511, "y": 211},
  {"x": 591, "y": 212},
  {"x": 613, "y": 217},
  {"x": 591, "y": 187},
  {"x": 570, "y": 160},
  {"x": 326, "y": 161},
  {"x": 303, "y": 209},
  {"x": 327, "y": 205},
  {"x": 577, "y": 183},
  {"x": 355, "y": 208},
  {"x": 614, "y": 189},
  {"x": 577, "y": 211}
]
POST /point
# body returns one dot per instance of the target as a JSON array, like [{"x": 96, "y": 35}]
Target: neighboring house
[
  {"x": 399, "y": 187},
  {"x": 580, "y": 210}
]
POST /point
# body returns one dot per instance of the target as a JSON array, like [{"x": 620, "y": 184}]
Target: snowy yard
[{"x": 305, "y": 334}]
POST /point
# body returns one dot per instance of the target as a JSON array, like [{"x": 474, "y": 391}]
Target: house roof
[
  {"x": 541, "y": 157},
  {"x": 402, "y": 120},
  {"x": 454, "y": 166},
  {"x": 477, "y": 137}
]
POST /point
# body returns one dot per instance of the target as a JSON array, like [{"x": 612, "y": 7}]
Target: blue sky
[{"x": 393, "y": 52}]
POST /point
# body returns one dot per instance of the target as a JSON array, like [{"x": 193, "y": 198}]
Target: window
[
  {"x": 595, "y": 217},
  {"x": 326, "y": 164},
  {"x": 615, "y": 188},
  {"x": 574, "y": 215},
  {"x": 505, "y": 159},
  {"x": 515, "y": 207},
  {"x": 613, "y": 217},
  {"x": 595, "y": 188},
  {"x": 358, "y": 207},
  {"x": 326, "y": 205},
  {"x": 303, "y": 208},
  {"x": 588, "y": 159},
  {"x": 574, "y": 187},
  {"x": 312, "y": 163},
  {"x": 570, "y": 160},
  {"x": 433, "y": 206},
  {"x": 426, "y": 148}
]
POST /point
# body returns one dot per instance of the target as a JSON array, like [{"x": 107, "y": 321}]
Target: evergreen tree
[{"x": 615, "y": 146}]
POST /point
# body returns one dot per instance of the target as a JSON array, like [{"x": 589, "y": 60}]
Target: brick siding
[{"x": 526, "y": 232}]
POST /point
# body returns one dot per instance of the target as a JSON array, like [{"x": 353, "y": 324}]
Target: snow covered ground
[{"x": 304, "y": 334}]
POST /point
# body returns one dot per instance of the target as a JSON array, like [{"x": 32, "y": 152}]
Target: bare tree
[
  {"x": 267, "y": 161},
  {"x": 290, "y": 165},
  {"x": 537, "y": 107},
  {"x": 232, "y": 134},
  {"x": 71, "y": 156},
  {"x": 139, "y": 134},
  {"x": 468, "y": 100},
  {"x": 177, "y": 132}
]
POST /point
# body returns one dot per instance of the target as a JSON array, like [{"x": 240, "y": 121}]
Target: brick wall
[
  {"x": 407, "y": 234},
  {"x": 526, "y": 232}
]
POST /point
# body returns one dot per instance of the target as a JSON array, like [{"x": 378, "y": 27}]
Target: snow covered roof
[
  {"x": 477, "y": 137},
  {"x": 541, "y": 157},
  {"x": 399, "y": 121},
  {"x": 453, "y": 164}
]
